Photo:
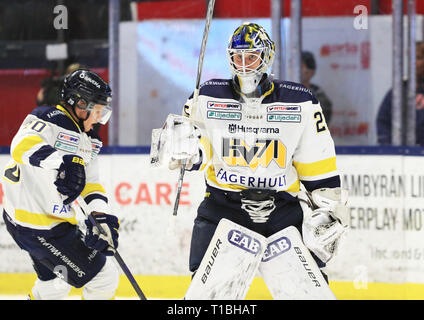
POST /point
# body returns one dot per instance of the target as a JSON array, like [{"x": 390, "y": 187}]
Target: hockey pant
[{"x": 65, "y": 256}]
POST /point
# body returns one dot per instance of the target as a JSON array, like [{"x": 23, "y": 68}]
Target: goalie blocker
[{"x": 235, "y": 254}]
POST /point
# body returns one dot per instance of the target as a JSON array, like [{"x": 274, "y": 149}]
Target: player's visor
[{"x": 101, "y": 112}]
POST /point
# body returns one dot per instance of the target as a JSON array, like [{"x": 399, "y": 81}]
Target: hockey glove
[
  {"x": 322, "y": 234},
  {"x": 185, "y": 144},
  {"x": 70, "y": 180},
  {"x": 105, "y": 244},
  {"x": 334, "y": 199},
  {"x": 323, "y": 227}
]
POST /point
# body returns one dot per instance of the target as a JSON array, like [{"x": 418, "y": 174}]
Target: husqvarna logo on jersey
[
  {"x": 234, "y": 128},
  {"x": 236, "y": 152},
  {"x": 244, "y": 241},
  {"x": 275, "y": 248}
]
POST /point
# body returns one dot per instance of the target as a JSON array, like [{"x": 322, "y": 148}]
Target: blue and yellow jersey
[
  {"x": 45, "y": 136},
  {"x": 275, "y": 141}
]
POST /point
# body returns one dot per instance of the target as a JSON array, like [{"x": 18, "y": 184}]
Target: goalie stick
[
  {"x": 209, "y": 15},
  {"x": 84, "y": 208}
]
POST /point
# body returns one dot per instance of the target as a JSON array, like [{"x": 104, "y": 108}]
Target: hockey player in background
[
  {"x": 54, "y": 160},
  {"x": 272, "y": 184}
]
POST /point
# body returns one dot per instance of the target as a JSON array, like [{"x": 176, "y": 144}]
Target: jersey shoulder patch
[
  {"x": 293, "y": 92},
  {"x": 45, "y": 112},
  {"x": 217, "y": 88},
  {"x": 55, "y": 116}
]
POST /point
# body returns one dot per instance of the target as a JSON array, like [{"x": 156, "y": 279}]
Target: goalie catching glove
[
  {"x": 184, "y": 144},
  {"x": 324, "y": 222},
  {"x": 98, "y": 241},
  {"x": 178, "y": 140}
]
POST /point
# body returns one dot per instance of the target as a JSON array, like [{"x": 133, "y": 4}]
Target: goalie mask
[
  {"x": 250, "y": 53},
  {"x": 85, "y": 89}
]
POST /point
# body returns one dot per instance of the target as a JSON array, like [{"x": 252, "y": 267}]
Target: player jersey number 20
[{"x": 236, "y": 152}]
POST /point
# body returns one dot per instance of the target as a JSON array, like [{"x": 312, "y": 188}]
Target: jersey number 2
[{"x": 320, "y": 124}]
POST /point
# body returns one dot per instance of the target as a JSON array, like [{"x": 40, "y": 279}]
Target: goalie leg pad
[
  {"x": 229, "y": 264},
  {"x": 290, "y": 271}
]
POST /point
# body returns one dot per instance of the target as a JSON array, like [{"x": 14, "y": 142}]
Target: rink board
[{"x": 380, "y": 258}]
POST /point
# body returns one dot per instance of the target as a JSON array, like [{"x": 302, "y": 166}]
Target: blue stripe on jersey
[
  {"x": 218, "y": 88},
  {"x": 55, "y": 116},
  {"x": 284, "y": 91},
  {"x": 40, "y": 155},
  {"x": 290, "y": 92},
  {"x": 94, "y": 196},
  {"x": 332, "y": 182}
]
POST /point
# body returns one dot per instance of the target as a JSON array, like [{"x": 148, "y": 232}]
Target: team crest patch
[
  {"x": 283, "y": 108},
  {"x": 223, "y": 105},
  {"x": 281, "y": 117},
  {"x": 237, "y": 152},
  {"x": 224, "y": 115}
]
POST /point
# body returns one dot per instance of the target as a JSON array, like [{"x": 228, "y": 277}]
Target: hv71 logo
[{"x": 236, "y": 152}]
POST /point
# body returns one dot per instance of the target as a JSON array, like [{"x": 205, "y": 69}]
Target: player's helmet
[
  {"x": 251, "y": 38},
  {"x": 84, "y": 89}
]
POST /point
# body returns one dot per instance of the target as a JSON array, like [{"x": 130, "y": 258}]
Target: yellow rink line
[{"x": 174, "y": 287}]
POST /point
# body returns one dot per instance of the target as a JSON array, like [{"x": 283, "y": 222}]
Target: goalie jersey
[
  {"x": 45, "y": 136},
  {"x": 273, "y": 142}
]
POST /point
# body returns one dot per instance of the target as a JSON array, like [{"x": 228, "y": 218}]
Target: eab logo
[
  {"x": 235, "y": 152},
  {"x": 224, "y": 115},
  {"x": 283, "y": 118},
  {"x": 275, "y": 248},
  {"x": 244, "y": 241}
]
